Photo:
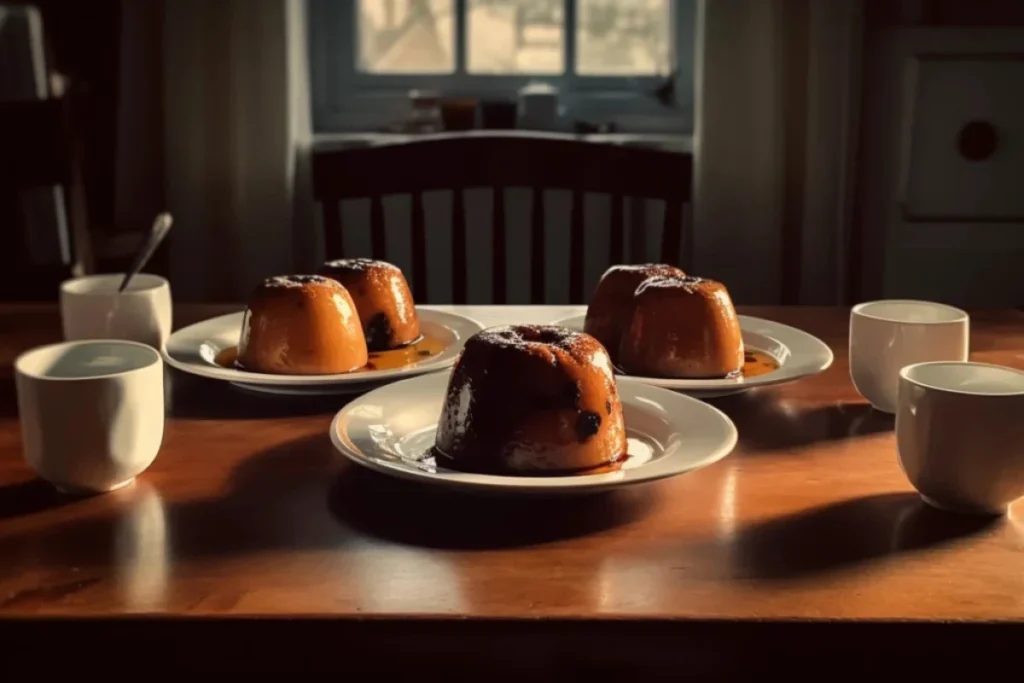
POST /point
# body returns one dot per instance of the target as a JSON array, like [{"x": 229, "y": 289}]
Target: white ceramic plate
[
  {"x": 799, "y": 355},
  {"x": 391, "y": 430},
  {"x": 194, "y": 348}
]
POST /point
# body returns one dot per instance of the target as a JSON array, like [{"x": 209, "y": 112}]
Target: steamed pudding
[
  {"x": 531, "y": 399},
  {"x": 382, "y": 298},
  {"x": 611, "y": 306},
  {"x": 301, "y": 325},
  {"x": 683, "y": 328}
]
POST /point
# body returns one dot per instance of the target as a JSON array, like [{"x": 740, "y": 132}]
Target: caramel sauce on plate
[
  {"x": 441, "y": 459},
  {"x": 755, "y": 363},
  {"x": 758, "y": 363},
  {"x": 422, "y": 349}
]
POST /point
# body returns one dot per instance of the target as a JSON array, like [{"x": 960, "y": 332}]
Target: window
[{"x": 622, "y": 61}]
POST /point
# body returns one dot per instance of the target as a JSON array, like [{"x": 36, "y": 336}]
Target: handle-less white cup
[
  {"x": 960, "y": 434},
  {"x": 92, "y": 412},
  {"x": 886, "y": 336},
  {"x": 92, "y": 308}
]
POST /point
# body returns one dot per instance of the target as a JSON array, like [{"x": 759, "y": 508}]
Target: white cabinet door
[{"x": 943, "y": 171}]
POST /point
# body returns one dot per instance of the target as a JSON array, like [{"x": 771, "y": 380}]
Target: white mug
[
  {"x": 92, "y": 412},
  {"x": 960, "y": 434},
  {"x": 92, "y": 308},
  {"x": 886, "y": 336}
]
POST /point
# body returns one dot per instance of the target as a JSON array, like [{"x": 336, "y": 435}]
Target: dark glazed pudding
[
  {"x": 301, "y": 325},
  {"x": 382, "y": 298},
  {"x": 611, "y": 307},
  {"x": 682, "y": 328},
  {"x": 531, "y": 399}
]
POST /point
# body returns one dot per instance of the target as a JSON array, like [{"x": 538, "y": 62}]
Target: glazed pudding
[
  {"x": 531, "y": 400},
  {"x": 611, "y": 307},
  {"x": 382, "y": 298},
  {"x": 682, "y": 328},
  {"x": 301, "y": 325}
]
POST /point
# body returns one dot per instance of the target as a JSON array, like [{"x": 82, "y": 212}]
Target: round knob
[{"x": 977, "y": 141}]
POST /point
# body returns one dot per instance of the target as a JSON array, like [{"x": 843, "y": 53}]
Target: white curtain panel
[
  {"x": 237, "y": 144},
  {"x": 776, "y": 104}
]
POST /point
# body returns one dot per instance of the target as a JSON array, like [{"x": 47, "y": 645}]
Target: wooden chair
[
  {"x": 38, "y": 153},
  {"x": 38, "y": 146},
  {"x": 501, "y": 161}
]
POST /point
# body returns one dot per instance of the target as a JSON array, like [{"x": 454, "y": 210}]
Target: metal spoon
[{"x": 161, "y": 226}]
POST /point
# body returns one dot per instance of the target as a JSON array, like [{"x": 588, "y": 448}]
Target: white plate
[
  {"x": 193, "y": 349},
  {"x": 799, "y": 355},
  {"x": 391, "y": 430}
]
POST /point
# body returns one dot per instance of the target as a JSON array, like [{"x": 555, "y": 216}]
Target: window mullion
[
  {"x": 460, "y": 37},
  {"x": 569, "y": 38}
]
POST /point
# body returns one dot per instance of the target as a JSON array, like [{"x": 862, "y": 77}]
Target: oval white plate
[
  {"x": 799, "y": 354},
  {"x": 391, "y": 430},
  {"x": 192, "y": 350}
]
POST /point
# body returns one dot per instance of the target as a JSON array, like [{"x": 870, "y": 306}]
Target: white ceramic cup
[
  {"x": 92, "y": 412},
  {"x": 886, "y": 336},
  {"x": 960, "y": 434},
  {"x": 92, "y": 308}
]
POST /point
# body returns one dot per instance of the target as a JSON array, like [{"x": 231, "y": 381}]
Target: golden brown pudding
[
  {"x": 683, "y": 328},
  {"x": 382, "y": 298},
  {"x": 301, "y": 325},
  {"x": 531, "y": 400},
  {"x": 611, "y": 307}
]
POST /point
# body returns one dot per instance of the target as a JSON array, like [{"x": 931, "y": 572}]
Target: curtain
[
  {"x": 237, "y": 137},
  {"x": 777, "y": 102}
]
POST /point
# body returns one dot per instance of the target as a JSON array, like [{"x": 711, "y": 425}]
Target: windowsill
[
  {"x": 631, "y": 112},
  {"x": 680, "y": 143}
]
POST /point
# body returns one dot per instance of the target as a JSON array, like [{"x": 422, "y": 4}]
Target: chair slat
[
  {"x": 618, "y": 230},
  {"x": 576, "y": 249},
  {"x": 377, "y": 235},
  {"x": 459, "y": 266},
  {"x": 499, "y": 278},
  {"x": 670, "y": 238},
  {"x": 334, "y": 238},
  {"x": 419, "y": 248},
  {"x": 537, "y": 261}
]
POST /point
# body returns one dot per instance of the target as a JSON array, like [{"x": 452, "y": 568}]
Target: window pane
[
  {"x": 623, "y": 37},
  {"x": 515, "y": 37},
  {"x": 406, "y": 36}
]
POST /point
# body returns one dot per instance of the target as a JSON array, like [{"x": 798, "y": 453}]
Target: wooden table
[{"x": 805, "y": 547}]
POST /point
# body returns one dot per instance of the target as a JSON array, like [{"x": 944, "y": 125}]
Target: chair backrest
[
  {"x": 40, "y": 177},
  {"x": 501, "y": 161}
]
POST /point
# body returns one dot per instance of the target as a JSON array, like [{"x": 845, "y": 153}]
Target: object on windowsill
[
  {"x": 458, "y": 114},
  {"x": 498, "y": 115},
  {"x": 424, "y": 112},
  {"x": 666, "y": 92},
  {"x": 538, "y": 107},
  {"x": 587, "y": 128}
]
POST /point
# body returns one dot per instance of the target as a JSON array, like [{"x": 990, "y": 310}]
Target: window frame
[{"x": 345, "y": 99}]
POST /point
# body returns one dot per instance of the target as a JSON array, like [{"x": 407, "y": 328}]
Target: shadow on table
[
  {"x": 294, "y": 496},
  {"x": 767, "y": 422},
  {"x": 835, "y": 537},
  {"x": 435, "y": 517},
  {"x": 29, "y": 497},
  {"x": 273, "y": 500},
  {"x": 203, "y": 399}
]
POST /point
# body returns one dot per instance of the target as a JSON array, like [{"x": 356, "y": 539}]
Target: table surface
[{"x": 248, "y": 511}]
